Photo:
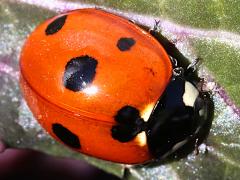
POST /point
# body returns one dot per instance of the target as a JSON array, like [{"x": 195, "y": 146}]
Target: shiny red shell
[{"x": 136, "y": 77}]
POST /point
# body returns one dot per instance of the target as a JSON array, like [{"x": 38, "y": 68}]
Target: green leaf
[
  {"x": 211, "y": 14},
  {"x": 223, "y": 60},
  {"x": 205, "y": 29}
]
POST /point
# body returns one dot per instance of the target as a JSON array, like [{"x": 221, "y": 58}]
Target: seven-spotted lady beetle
[{"x": 105, "y": 87}]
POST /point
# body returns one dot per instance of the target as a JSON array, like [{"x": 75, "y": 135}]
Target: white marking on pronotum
[
  {"x": 141, "y": 139},
  {"x": 145, "y": 114},
  {"x": 190, "y": 94}
]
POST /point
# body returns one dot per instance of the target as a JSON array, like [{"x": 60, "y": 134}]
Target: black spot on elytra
[
  {"x": 127, "y": 114},
  {"x": 125, "y": 44},
  {"x": 56, "y": 25},
  {"x": 129, "y": 124},
  {"x": 66, "y": 136},
  {"x": 124, "y": 133},
  {"x": 79, "y": 72}
]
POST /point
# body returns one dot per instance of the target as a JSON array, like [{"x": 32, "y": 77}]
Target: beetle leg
[
  {"x": 206, "y": 147},
  {"x": 174, "y": 61},
  {"x": 191, "y": 68},
  {"x": 156, "y": 25},
  {"x": 196, "y": 151},
  {"x": 178, "y": 72}
]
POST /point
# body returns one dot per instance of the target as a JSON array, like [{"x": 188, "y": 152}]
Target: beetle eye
[{"x": 203, "y": 109}]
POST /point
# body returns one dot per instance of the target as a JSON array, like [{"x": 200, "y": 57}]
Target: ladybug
[{"x": 104, "y": 86}]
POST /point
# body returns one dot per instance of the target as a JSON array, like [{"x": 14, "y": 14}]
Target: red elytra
[{"x": 127, "y": 67}]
